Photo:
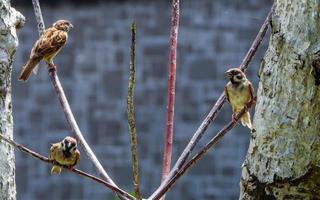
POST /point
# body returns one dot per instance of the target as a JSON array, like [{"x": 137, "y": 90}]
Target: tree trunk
[
  {"x": 10, "y": 21},
  {"x": 284, "y": 154}
]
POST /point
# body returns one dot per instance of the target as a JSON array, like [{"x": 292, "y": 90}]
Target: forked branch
[
  {"x": 74, "y": 170},
  {"x": 214, "y": 110},
  {"x": 67, "y": 110},
  {"x": 203, "y": 151}
]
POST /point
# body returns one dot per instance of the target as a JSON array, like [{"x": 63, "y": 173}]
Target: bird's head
[
  {"x": 63, "y": 25},
  {"x": 69, "y": 144},
  {"x": 235, "y": 75}
]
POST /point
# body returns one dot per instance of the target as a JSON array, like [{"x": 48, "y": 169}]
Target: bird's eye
[
  {"x": 239, "y": 76},
  {"x": 66, "y": 143}
]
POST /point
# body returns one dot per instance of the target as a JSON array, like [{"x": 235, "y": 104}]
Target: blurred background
[{"x": 93, "y": 68}]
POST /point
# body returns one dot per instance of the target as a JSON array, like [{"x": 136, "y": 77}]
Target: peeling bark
[
  {"x": 283, "y": 158},
  {"x": 10, "y": 20}
]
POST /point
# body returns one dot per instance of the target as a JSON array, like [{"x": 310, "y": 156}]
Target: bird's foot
[
  {"x": 234, "y": 117},
  {"x": 246, "y": 107},
  {"x": 254, "y": 99},
  {"x": 51, "y": 67},
  {"x": 69, "y": 167}
]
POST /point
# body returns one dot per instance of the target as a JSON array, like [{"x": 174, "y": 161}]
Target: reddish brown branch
[
  {"x": 202, "y": 152},
  {"x": 167, "y": 154},
  {"x": 76, "y": 171},
  {"x": 214, "y": 110}
]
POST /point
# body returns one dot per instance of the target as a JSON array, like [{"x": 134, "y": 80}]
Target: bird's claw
[
  {"x": 51, "y": 67},
  {"x": 245, "y": 107},
  {"x": 254, "y": 99},
  {"x": 234, "y": 117}
]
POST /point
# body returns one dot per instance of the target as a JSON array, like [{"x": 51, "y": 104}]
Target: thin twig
[
  {"x": 168, "y": 140},
  {"x": 67, "y": 110},
  {"x": 74, "y": 170},
  {"x": 214, "y": 110},
  {"x": 131, "y": 117},
  {"x": 257, "y": 41},
  {"x": 203, "y": 151}
]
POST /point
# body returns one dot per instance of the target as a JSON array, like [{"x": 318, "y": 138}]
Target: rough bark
[
  {"x": 10, "y": 21},
  {"x": 284, "y": 154}
]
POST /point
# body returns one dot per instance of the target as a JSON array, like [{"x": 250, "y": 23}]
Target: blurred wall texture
[{"x": 93, "y": 68}]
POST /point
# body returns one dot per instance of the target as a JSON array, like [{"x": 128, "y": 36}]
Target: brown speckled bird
[
  {"x": 239, "y": 92},
  {"x": 46, "y": 47},
  {"x": 65, "y": 153}
]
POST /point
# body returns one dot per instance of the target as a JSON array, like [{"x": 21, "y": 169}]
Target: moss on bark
[
  {"x": 287, "y": 117},
  {"x": 10, "y": 21}
]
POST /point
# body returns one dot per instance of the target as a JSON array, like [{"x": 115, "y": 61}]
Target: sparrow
[
  {"x": 239, "y": 92},
  {"x": 64, "y": 153},
  {"x": 46, "y": 47}
]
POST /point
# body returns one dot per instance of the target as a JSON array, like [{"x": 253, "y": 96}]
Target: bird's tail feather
[
  {"x": 246, "y": 121},
  {"x": 27, "y": 69},
  {"x": 55, "y": 169}
]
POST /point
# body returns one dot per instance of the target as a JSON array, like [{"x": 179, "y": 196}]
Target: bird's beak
[{"x": 71, "y": 26}]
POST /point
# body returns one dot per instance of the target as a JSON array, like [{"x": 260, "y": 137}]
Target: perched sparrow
[
  {"x": 239, "y": 92},
  {"x": 46, "y": 47},
  {"x": 65, "y": 153}
]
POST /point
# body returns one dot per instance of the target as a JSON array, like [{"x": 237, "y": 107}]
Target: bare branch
[
  {"x": 215, "y": 109},
  {"x": 74, "y": 126},
  {"x": 168, "y": 140},
  {"x": 67, "y": 110},
  {"x": 39, "y": 18},
  {"x": 74, "y": 170},
  {"x": 257, "y": 41},
  {"x": 203, "y": 151},
  {"x": 131, "y": 117}
]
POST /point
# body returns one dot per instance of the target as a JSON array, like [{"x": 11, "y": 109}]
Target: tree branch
[
  {"x": 167, "y": 154},
  {"x": 67, "y": 110},
  {"x": 257, "y": 41},
  {"x": 203, "y": 151},
  {"x": 74, "y": 126},
  {"x": 215, "y": 109},
  {"x": 38, "y": 15},
  {"x": 131, "y": 117},
  {"x": 74, "y": 170}
]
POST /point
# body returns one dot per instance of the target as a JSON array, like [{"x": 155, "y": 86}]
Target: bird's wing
[
  {"x": 77, "y": 157},
  {"x": 49, "y": 43},
  {"x": 53, "y": 149},
  {"x": 226, "y": 93},
  {"x": 251, "y": 91}
]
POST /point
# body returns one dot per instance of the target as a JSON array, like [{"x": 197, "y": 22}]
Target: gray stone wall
[{"x": 93, "y": 68}]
